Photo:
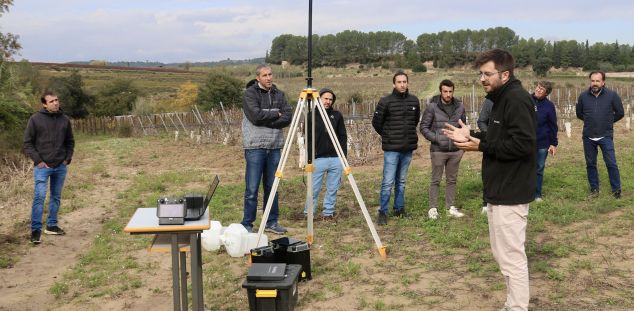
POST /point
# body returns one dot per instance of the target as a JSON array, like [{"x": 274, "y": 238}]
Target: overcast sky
[{"x": 188, "y": 30}]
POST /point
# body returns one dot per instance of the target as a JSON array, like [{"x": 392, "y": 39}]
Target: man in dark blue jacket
[
  {"x": 395, "y": 119},
  {"x": 546, "y": 130},
  {"x": 600, "y": 108},
  {"x": 49, "y": 142}
]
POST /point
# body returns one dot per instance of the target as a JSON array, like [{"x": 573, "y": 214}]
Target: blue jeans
[
  {"x": 395, "y": 165},
  {"x": 332, "y": 168},
  {"x": 42, "y": 176},
  {"x": 541, "y": 162},
  {"x": 609, "y": 157},
  {"x": 260, "y": 163}
]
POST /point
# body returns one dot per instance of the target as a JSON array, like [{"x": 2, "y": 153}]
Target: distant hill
[{"x": 140, "y": 64}]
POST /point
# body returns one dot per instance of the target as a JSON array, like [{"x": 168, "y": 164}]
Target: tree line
[{"x": 448, "y": 49}]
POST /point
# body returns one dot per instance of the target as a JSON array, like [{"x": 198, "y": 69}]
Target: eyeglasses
[{"x": 487, "y": 75}]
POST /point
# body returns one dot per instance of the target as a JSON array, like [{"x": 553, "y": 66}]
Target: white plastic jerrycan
[
  {"x": 211, "y": 237},
  {"x": 234, "y": 239}
]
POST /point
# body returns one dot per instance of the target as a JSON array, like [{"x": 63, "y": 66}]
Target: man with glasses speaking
[{"x": 508, "y": 168}]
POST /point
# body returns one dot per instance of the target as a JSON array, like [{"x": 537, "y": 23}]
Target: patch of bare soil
[{"x": 25, "y": 285}]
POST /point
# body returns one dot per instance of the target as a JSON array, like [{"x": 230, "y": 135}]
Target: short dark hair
[
  {"x": 502, "y": 59},
  {"x": 259, "y": 68},
  {"x": 446, "y": 82},
  {"x": 546, "y": 85},
  {"x": 602, "y": 73},
  {"x": 399, "y": 73},
  {"x": 46, "y": 93}
]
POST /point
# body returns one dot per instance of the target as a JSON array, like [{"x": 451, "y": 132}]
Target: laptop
[{"x": 195, "y": 212}]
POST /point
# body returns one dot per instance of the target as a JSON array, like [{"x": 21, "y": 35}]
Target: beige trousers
[{"x": 507, "y": 231}]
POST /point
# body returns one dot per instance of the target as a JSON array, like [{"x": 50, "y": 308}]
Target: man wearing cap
[
  {"x": 395, "y": 119},
  {"x": 326, "y": 159}
]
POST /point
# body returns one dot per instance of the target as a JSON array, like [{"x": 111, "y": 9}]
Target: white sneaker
[
  {"x": 433, "y": 213},
  {"x": 538, "y": 199},
  {"x": 485, "y": 209},
  {"x": 453, "y": 211}
]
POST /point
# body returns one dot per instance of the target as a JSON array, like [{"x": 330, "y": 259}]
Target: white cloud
[{"x": 210, "y": 30}]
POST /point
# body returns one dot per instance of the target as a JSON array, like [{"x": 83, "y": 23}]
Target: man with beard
[
  {"x": 445, "y": 156},
  {"x": 395, "y": 119},
  {"x": 599, "y": 108},
  {"x": 326, "y": 159},
  {"x": 508, "y": 168}
]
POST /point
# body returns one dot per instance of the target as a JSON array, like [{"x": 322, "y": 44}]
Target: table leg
[
  {"x": 201, "y": 299},
  {"x": 183, "y": 264},
  {"x": 196, "y": 270},
  {"x": 175, "y": 270}
]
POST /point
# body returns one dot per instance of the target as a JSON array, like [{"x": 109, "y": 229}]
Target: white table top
[{"x": 145, "y": 220}]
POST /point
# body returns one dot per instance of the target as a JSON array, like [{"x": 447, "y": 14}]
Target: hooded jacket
[
  {"x": 49, "y": 138},
  {"x": 261, "y": 123},
  {"x": 599, "y": 112},
  {"x": 434, "y": 119},
  {"x": 323, "y": 145},
  {"x": 395, "y": 119},
  {"x": 509, "y": 146}
]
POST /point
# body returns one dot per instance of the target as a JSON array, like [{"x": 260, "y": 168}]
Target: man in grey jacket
[
  {"x": 266, "y": 113},
  {"x": 445, "y": 156},
  {"x": 49, "y": 142}
]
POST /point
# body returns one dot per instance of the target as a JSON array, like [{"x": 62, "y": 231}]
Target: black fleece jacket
[
  {"x": 508, "y": 147},
  {"x": 323, "y": 145},
  {"x": 395, "y": 119},
  {"x": 49, "y": 138}
]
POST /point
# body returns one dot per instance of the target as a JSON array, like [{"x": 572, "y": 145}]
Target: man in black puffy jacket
[
  {"x": 395, "y": 119},
  {"x": 445, "y": 156}
]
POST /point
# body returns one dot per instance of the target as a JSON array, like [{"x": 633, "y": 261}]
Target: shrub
[
  {"x": 542, "y": 65},
  {"x": 220, "y": 87},
  {"x": 116, "y": 98},
  {"x": 419, "y": 68}
]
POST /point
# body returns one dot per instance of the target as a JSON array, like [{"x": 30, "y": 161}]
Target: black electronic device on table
[{"x": 196, "y": 205}]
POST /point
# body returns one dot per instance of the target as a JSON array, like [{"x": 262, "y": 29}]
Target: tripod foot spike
[{"x": 383, "y": 252}]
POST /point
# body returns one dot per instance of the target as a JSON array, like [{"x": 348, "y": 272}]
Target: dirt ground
[{"x": 25, "y": 285}]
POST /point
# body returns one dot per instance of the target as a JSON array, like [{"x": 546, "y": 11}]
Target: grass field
[{"x": 579, "y": 248}]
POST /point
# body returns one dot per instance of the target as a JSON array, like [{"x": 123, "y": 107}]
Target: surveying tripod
[{"x": 309, "y": 101}]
